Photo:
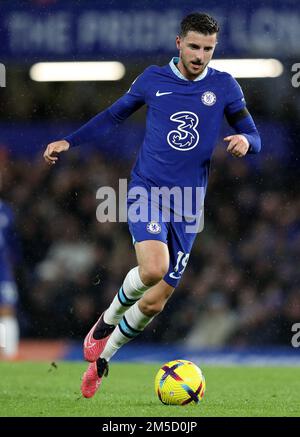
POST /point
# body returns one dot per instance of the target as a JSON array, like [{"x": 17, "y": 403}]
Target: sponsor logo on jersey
[{"x": 185, "y": 136}]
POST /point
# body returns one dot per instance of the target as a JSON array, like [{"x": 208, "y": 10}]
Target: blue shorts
[
  {"x": 8, "y": 293},
  {"x": 171, "y": 232}
]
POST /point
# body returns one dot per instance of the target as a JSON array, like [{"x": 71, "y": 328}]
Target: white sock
[
  {"x": 9, "y": 336},
  {"x": 131, "y": 291},
  {"x": 131, "y": 325}
]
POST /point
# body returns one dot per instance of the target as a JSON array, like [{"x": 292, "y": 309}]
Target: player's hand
[
  {"x": 238, "y": 145},
  {"x": 53, "y": 149}
]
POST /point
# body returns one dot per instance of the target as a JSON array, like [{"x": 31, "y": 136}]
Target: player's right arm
[{"x": 104, "y": 122}]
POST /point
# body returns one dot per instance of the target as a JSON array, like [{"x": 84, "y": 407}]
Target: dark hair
[{"x": 199, "y": 22}]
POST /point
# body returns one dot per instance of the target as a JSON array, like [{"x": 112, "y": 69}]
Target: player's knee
[
  {"x": 152, "y": 274},
  {"x": 151, "y": 309}
]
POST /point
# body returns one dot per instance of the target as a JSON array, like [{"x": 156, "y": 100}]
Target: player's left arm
[{"x": 247, "y": 139}]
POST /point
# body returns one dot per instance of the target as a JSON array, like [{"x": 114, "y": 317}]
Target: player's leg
[
  {"x": 153, "y": 301},
  {"x": 9, "y": 327},
  {"x": 10, "y": 333},
  {"x": 139, "y": 316},
  {"x": 153, "y": 262}
]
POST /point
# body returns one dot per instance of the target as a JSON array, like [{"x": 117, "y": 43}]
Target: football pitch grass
[{"x": 44, "y": 389}]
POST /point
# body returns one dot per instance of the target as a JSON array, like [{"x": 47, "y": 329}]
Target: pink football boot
[
  {"x": 96, "y": 339},
  {"x": 93, "y": 376}
]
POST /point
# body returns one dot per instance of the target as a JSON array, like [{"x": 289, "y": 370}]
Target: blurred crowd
[
  {"x": 241, "y": 285},
  {"x": 65, "y": 101}
]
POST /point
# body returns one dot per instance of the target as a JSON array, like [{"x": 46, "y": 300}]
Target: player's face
[{"x": 195, "y": 52}]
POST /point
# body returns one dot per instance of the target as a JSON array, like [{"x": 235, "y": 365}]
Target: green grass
[{"x": 39, "y": 389}]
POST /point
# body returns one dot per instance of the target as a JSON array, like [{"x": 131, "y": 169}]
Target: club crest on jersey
[
  {"x": 208, "y": 98},
  {"x": 185, "y": 137},
  {"x": 153, "y": 227}
]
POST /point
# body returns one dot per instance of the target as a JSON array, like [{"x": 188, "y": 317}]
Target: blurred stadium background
[{"x": 240, "y": 292}]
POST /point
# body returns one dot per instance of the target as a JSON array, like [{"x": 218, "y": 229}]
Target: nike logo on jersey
[{"x": 158, "y": 94}]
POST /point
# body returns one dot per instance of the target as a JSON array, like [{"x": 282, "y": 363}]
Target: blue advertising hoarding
[{"x": 109, "y": 29}]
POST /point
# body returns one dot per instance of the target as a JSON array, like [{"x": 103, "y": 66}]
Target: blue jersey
[
  {"x": 9, "y": 248},
  {"x": 183, "y": 124},
  {"x": 184, "y": 119}
]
